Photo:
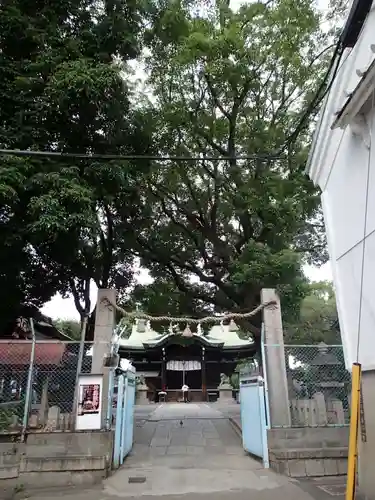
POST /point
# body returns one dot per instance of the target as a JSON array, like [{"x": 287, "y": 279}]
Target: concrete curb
[{"x": 236, "y": 427}]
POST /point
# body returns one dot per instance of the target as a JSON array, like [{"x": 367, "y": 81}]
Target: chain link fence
[
  {"x": 318, "y": 384},
  {"x": 37, "y": 383}
]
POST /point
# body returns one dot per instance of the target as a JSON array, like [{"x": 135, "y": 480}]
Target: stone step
[{"x": 309, "y": 453}]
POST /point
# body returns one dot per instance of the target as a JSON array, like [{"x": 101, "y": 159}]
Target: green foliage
[
  {"x": 164, "y": 297},
  {"x": 69, "y": 327},
  {"x": 63, "y": 86},
  {"x": 6, "y": 419},
  {"x": 223, "y": 83},
  {"x": 235, "y": 381},
  {"x": 316, "y": 319},
  {"x": 229, "y": 83},
  {"x": 11, "y": 414}
]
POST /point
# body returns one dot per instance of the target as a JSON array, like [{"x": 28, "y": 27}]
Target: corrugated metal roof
[{"x": 18, "y": 353}]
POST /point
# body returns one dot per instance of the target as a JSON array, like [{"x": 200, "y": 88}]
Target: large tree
[
  {"x": 230, "y": 83},
  {"x": 64, "y": 87},
  {"x": 317, "y": 318}
]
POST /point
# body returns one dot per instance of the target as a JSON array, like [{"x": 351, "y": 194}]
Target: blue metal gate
[
  {"x": 254, "y": 417},
  {"x": 124, "y": 416}
]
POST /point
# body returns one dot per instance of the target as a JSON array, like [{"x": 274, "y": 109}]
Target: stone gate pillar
[
  {"x": 274, "y": 362},
  {"x": 104, "y": 325}
]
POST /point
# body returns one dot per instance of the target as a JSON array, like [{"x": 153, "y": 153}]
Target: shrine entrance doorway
[
  {"x": 184, "y": 366},
  {"x": 180, "y": 372}
]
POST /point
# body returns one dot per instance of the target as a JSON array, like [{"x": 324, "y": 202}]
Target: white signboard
[{"x": 89, "y": 407}]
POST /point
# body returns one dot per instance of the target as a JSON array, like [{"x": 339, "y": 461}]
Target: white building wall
[
  {"x": 349, "y": 241},
  {"x": 340, "y": 164}
]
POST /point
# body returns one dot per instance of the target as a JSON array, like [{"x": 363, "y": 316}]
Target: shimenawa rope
[{"x": 185, "y": 319}]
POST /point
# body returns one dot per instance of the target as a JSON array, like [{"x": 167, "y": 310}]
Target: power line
[
  {"x": 86, "y": 156},
  {"x": 317, "y": 99},
  {"x": 322, "y": 91},
  {"x": 319, "y": 126}
]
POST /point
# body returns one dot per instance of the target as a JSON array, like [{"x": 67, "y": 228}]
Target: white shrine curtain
[{"x": 180, "y": 366}]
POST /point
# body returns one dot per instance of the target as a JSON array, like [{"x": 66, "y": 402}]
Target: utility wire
[
  {"x": 319, "y": 95},
  {"x": 317, "y": 99},
  {"x": 59, "y": 154},
  {"x": 319, "y": 126}
]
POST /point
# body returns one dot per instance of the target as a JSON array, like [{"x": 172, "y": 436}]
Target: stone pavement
[{"x": 202, "y": 459}]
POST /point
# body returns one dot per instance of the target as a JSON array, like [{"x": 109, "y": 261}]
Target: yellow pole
[{"x": 353, "y": 433}]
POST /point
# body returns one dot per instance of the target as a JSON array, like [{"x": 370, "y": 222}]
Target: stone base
[
  {"x": 54, "y": 459},
  {"x": 310, "y": 462},
  {"x": 309, "y": 451},
  {"x": 225, "y": 395},
  {"x": 141, "y": 398}
]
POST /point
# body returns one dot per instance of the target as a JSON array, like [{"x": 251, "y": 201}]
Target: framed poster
[{"x": 89, "y": 407}]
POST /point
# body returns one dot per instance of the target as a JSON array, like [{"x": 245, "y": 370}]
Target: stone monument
[
  {"x": 274, "y": 362},
  {"x": 103, "y": 332},
  {"x": 225, "y": 389},
  {"x": 141, "y": 391}
]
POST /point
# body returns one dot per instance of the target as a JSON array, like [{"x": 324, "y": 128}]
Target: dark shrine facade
[{"x": 168, "y": 362}]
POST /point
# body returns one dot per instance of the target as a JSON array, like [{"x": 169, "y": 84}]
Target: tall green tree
[
  {"x": 229, "y": 83},
  {"x": 64, "y": 87}
]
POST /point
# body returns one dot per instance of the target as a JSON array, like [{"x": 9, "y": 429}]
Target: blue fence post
[
  {"x": 130, "y": 410},
  {"x": 118, "y": 428},
  {"x": 29, "y": 386},
  {"x": 264, "y": 365},
  {"x": 125, "y": 429},
  {"x": 111, "y": 385},
  {"x": 263, "y": 421}
]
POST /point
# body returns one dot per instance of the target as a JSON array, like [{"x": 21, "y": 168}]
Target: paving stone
[
  {"x": 195, "y": 450},
  {"x": 140, "y": 450},
  {"x": 161, "y": 433},
  {"x": 213, "y": 442},
  {"x": 176, "y": 450},
  {"x": 180, "y": 432},
  {"x": 216, "y": 451},
  {"x": 234, "y": 450},
  {"x": 158, "y": 451},
  {"x": 160, "y": 442},
  {"x": 196, "y": 441},
  {"x": 179, "y": 441}
]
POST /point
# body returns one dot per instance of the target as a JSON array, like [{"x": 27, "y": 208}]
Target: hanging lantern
[
  {"x": 232, "y": 326},
  {"x": 187, "y": 332}
]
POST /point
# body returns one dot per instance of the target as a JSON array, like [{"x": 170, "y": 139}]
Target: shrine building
[{"x": 173, "y": 358}]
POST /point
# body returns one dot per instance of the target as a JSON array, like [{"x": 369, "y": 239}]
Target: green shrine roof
[{"x": 219, "y": 336}]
